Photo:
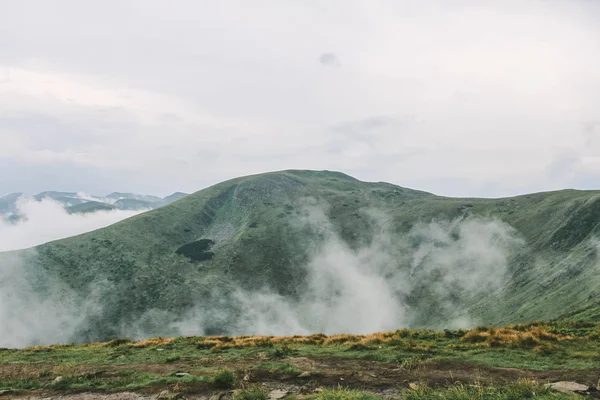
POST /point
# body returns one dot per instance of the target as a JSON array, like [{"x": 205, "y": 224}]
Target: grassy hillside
[{"x": 325, "y": 245}]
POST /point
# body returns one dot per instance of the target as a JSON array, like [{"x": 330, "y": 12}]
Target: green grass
[
  {"x": 580, "y": 348},
  {"x": 224, "y": 379},
  {"x": 117, "y": 381},
  {"x": 523, "y": 389},
  {"x": 254, "y": 393},
  {"x": 345, "y": 394},
  {"x": 111, "y": 364},
  {"x": 274, "y": 366}
]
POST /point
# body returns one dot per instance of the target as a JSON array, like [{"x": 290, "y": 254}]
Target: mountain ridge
[
  {"x": 75, "y": 202},
  {"x": 276, "y": 238}
]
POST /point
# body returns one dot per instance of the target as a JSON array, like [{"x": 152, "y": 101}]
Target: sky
[{"x": 461, "y": 98}]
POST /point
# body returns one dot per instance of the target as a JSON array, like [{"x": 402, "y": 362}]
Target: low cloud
[
  {"x": 38, "y": 310},
  {"x": 46, "y": 220}
]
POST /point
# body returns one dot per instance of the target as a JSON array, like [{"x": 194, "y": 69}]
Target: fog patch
[{"x": 37, "y": 309}]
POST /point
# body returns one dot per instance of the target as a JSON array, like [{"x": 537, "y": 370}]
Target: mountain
[
  {"x": 59, "y": 196},
  {"x": 134, "y": 204},
  {"x": 88, "y": 207},
  {"x": 79, "y": 203},
  {"x": 134, "y": 196},
  {"x": 320, "y": 250},
  {"x": 8, "y": 202},
  {"x": 174, "y": 197}
]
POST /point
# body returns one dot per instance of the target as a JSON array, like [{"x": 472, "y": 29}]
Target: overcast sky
[{"x": 463, "y": 98}]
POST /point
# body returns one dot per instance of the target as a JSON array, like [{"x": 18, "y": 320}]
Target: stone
[
  {"x": 570, "y": 387},
  {"x": 166, "y": 395},
  {"x": 182, "y": 374},
  {"x": 278, "y": 394},
  {"x": 58, "y": 379},
  {"x": 304, "y": 375}
]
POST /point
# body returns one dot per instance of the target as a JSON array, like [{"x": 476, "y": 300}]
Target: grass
[
  {"x": 224, "y": 379},
  {"x": 523, "y": 389},
  {"x": 345, "y": 394},
  {"x": 273, "y": 366},
  {"x": 254, "y": 393},
  {"x": 114, "y": 381},
  {"x": 133, "y": 365}
]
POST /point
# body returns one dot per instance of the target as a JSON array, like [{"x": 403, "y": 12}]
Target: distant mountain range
[{"x": 75, "y": 202}]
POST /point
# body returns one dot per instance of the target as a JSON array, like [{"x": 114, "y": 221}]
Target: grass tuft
[
  {"x": 253, "y": 393},
  {"x": 224, "y": 379},
  {"x": 522, "y": 389},
  {"x": 345, "y": 394}
]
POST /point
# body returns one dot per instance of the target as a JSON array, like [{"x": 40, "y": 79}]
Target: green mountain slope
[{"x": 310, "y": 250}]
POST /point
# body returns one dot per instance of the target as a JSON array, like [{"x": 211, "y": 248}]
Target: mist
[
  {"x": 369, "y": 289},
  {"x": 36, "y": 308},
  {"x": 46, "y": 220}
]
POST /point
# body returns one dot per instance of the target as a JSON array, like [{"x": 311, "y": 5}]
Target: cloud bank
[{"x": 46, "y": 220}]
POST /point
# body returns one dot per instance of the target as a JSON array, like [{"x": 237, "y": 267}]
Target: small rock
[
  {"x": 277, "y": 394},
  {"x": 220, "y": 395},
  {"x": 414, "y": 385},
  {"x": 570, "y": 387},
  {"x": 304, "y": 375},
  {"x": 58, "y": 379},
  {"x": 182, "y": 374},
  {"x": 166, "y": 395}
]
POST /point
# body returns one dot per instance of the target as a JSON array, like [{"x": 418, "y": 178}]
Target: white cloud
[{"x": 47, "y": 220}]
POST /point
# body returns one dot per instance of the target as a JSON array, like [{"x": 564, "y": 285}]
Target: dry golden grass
[
  {"x": 516, "y": 336},
  {"x": 49, "y": 347},
  {"x": 150, "y": 342},
  {"x": 536, "y": 338}
]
